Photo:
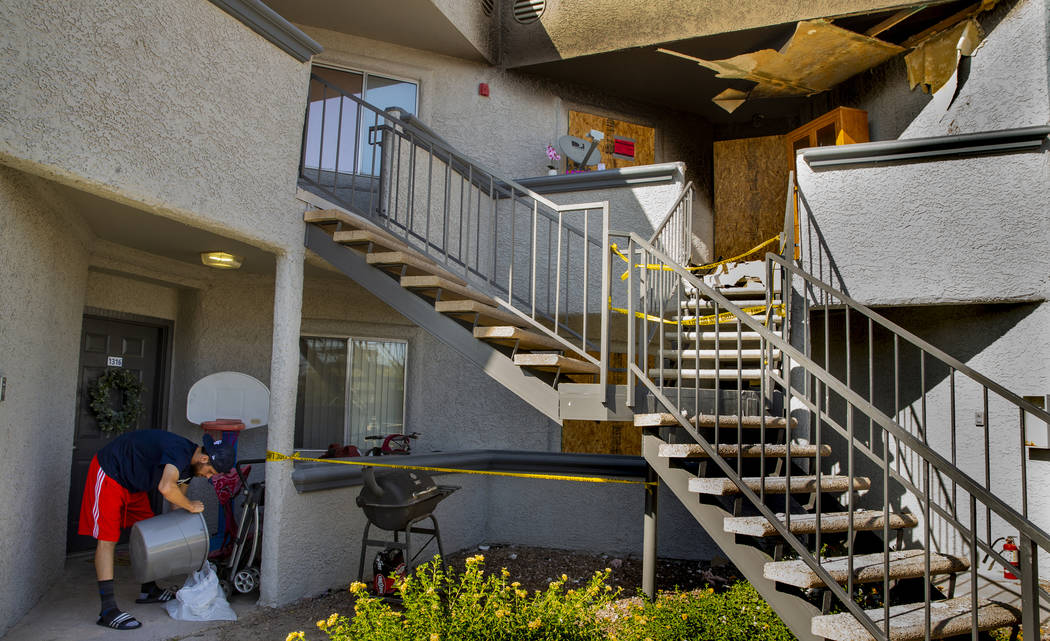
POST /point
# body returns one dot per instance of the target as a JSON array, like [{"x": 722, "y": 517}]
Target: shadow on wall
[{"x": 922, "y": 394}]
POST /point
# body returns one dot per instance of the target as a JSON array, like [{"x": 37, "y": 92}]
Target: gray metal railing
[
  {"x": 542, "y": 261},
  {"x": 674, "y": 235},
  {"x": 957, "y": 512}
]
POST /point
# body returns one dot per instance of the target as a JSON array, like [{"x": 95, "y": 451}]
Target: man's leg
[{"x": 100, "y": 517}]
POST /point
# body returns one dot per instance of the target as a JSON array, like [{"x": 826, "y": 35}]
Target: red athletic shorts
[{"x": 107, "y": 507}]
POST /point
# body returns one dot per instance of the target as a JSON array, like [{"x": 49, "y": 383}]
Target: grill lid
[{"x": 392, "y": 488}]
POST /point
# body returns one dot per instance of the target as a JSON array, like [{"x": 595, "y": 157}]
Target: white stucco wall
[
  {"x": 172, "y": 105},
  {"x": 130, "y": 295},
  {"x": 41, "y": 304},
  {"x": 964, "y": 229}
]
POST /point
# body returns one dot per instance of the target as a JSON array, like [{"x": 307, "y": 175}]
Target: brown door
[{"x": 105, "y": 342}]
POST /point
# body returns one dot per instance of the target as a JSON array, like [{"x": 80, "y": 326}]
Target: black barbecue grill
[
  {"x": 392, "y": 499},
  {"x": 398, "y": 500}
]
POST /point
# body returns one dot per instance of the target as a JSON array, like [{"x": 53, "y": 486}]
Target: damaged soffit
[{"x": 818, "y": 56}]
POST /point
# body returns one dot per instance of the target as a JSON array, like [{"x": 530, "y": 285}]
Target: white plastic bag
[{"x": 201, "y": 599}]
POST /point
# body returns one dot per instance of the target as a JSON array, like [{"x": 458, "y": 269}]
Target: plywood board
[
  {"x": 642, "y": 137},
  {"x": 750, "y": 192}
]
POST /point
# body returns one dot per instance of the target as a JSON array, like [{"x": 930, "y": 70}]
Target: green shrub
[
  {"x": 438, "y": 605},
  {"x": 738, "y": 613}
]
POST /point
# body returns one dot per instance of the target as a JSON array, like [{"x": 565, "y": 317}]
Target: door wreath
[{"x": 109, "y": 420}]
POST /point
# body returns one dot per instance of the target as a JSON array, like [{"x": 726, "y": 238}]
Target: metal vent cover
[
  {"x": 526, "y": 11},
  {"x": 487, "y": 6}
]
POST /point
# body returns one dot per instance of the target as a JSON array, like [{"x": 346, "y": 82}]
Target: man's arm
[{"x": 169, "y": 489}]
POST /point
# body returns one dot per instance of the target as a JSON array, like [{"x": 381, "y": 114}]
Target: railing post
[
  {"x": 631, "y": 347},
  {"x": 603, "y": 377},
  {"x": 1028, "y": 555},
  {"x": 652, "y": 490}
]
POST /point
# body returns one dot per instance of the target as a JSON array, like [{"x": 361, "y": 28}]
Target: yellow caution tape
[
  {"x": 705, "y": 320},
  {"x": 277, "y": 456},
  {"x": 668, "y": 268}
]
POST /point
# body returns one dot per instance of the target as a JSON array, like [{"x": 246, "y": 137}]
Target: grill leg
[{"x": 364, "y": 550}]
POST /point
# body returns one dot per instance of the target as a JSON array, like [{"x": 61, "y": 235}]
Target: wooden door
[{"x": 105, "y": 342}]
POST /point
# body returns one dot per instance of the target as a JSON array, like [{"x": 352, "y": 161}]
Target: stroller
[{"x": 236, "y": 547}]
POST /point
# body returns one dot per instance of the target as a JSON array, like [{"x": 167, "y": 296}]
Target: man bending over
[{"x": 115, "y": 498}]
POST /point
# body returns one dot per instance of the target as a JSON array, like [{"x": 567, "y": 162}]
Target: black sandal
[
  {"x": 119, "y": 621},
  {"x": 156, "y": 595}
]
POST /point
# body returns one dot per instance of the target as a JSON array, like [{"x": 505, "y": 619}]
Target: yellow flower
[
  {"x": 515, "y": 585},
  {"x": 684, "y": 616},
  {"x": 295, "y": 636},
  {"x": 435, "y": 637},
  {"x": 321, "y": 624},
  {"x": 357, "y": 586},
  {"x": 564, "y": 577},
  {"x": 500, "y": 614},
  {"x": 521, "y": 594},
  {"x": 504, "y": 572},
  {"x": 332, "y": 618},
  {"x": 535, "y": 623}
]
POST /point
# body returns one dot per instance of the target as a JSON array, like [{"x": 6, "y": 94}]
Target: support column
[
  {"x": 652, "y": 491},
  {"x": 284, "y": 372}
]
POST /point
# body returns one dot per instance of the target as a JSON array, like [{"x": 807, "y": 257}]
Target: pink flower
[{"x": 552, "y": 153}]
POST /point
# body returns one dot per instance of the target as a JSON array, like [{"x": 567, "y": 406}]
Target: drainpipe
[{"x": 284, "y": 372}]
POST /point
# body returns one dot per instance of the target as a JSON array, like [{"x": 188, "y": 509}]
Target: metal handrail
[
  {"x": 826, "y": 382},
  {"x": 923, "y": 345},
  {"x": 508, "y": 241}
]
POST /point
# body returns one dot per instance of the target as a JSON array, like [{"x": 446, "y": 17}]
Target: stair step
[
  {"x": 448, "y": 289},
  {"x": 665, "y": 419},
  {"x": 755, "y": 290},
  {"x": 863, "y": 520},
  {"x": 325, "y": 217},
  {"x": 907, "y": 622},
  {"x": 671, "y": 373},
  {"x": 906, "y": 564},
  {"x": 720, "y": 486},
  {"x": 511, "y": 336},
  {"x": 724, "y": 336},
  {"x": 472, "y": 310},
  {"x": 709, "y": 321},
  {"x": 708, "y": 304},
  {"x": 414, "y": 264},
  {"x": 724, "y": 354},
  {"x": 555, "y": 362},
  {"x": 726, "y": 450},
  {"x": 379, "y": 241}
]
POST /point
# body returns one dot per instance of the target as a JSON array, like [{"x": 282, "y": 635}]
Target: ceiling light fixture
[{"x": 221, "y": 260}]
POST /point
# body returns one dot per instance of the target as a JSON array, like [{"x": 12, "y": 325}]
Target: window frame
[
  {"x": 346, "y": 338},
  {"x": 364, "y": 81}
]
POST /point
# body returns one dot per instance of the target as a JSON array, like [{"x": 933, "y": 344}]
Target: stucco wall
[
  {"x": 156, "y": 103},
  {"x": 41, "y": 304},
  {"x": 130, "y": 295},
  {"x": 964, "y": 229}
]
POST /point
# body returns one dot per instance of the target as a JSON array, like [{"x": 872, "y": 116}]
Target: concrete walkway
[{"x": 69, "y": 610}]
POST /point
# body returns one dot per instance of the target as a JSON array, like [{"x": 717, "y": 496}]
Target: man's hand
[{"x": 169, "y": 489}]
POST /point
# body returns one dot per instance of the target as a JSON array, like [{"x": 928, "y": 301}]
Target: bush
[
  {"x": 736, "y": 614},
  {"x": 438, "y": 605},
  {"x": 475, "y": 606}
]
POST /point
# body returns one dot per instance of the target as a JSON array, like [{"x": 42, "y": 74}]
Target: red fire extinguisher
[{"x": 1010, "y": 551}]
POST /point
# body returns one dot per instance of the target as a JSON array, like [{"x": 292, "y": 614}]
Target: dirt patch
[{"x": 533, "y": 567}]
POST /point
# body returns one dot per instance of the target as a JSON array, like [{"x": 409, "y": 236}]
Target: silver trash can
[{"x": 168, "y": 544}]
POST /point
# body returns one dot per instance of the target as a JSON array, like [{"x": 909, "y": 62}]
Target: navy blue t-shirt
[{"x": 136, "y": 460}]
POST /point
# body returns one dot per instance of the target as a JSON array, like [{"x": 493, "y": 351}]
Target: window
[
  {"x": 349, "y": 388},
  {"x": 337, "y": 129}
]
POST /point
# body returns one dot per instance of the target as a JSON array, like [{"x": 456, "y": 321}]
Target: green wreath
[{"x": 109, "y": 420}]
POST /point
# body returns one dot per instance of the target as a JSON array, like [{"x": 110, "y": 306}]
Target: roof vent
[
  {"x": 487, "y": 6},
  {"x": 526, "y": 11}
]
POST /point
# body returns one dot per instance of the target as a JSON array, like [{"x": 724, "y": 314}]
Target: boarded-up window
[{"x": 626, "y": 144}]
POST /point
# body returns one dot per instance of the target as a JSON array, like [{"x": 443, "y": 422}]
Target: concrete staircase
[{"x": 763, "y": 453}]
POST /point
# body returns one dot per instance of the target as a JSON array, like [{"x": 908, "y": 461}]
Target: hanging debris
[
  {"x": 818, "y": 56},
  {"x": 934, "y": 61}
]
